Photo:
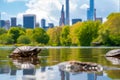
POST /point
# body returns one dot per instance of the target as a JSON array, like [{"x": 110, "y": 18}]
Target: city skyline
[{"x": 50, "y": 9}]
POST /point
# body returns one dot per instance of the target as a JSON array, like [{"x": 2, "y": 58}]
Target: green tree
[
  {"x": 2, "y": 31},
  {"x": 88, "y": 32},
  {"x": 65, "y": 37},
  {"x": 54, "y": 35},
  {"x": 16, "y": 32},
  {"x": 23, "y": 39},
  {"x": 109, "y": 32},
  {"x": 6, "y": 39},
  {"x": 40, "y": 36}
]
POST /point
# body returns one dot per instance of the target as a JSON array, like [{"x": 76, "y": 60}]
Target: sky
[{"x": 51, "y": 9}]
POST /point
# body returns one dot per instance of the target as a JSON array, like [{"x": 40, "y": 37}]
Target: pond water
[{"x": 45, "y": 67}]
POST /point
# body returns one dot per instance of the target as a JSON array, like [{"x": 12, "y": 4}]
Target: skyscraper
[
  {"x": 67, "y": 13},
  {"x": 43, "y": 23},
  {"x": 62, "y": 18},
  {"x": 90, "y": 11},
  {"x": 13, "y": 21},
  {"x": 29, "y": 21}
]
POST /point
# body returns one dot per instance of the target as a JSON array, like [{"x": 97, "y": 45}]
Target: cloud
[
  {"x": 84, "y": 6},
  {"x": 9, "y": 1},
  {"x": 51, "y": 9}
]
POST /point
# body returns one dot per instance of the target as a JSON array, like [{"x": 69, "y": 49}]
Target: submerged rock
[
  {"x": 76, "y": 67},
  {"x": 113, "y": 53},
  {"x": 114, "y": 60},
  {"x": 25, "y": 51}
]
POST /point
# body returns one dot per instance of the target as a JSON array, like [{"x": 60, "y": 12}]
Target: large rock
[
  {"x": 77, "y": 66},
  {"x": 25, "y": 51},
  {"x": 113, "y": 53}
]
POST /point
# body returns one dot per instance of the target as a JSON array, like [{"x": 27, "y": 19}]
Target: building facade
[
  {"x": 91, "y": 11},
  {"x": 29, "y": 21},
  {"x": 76, "y": 20},
  {"x": 43, "y": 23},
  {"x": 2, "y": 23},
  {"x": 13, "y": 21},
  {"x": 62, "y": 18},
  {"x": 67, "y": 21}
]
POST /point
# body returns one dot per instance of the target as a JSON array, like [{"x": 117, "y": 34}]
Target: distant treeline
[{"x": 80, "y": 34}]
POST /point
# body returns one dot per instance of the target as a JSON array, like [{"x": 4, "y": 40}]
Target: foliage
[
  {"x": 88, "y": 32},
  {"x": 23, "y": 39},
  {"x": 74, "y": 30},
  {"x": 6, "y": 39},
  {"x": 54, "y": 35},
  {"x": 40, "y": 36},
  {"x": 65, "y": 37},
  {"x": 16, "y": 32},
  {"x": 2, "y": 31},
  {"x": 109, "y": 31}
]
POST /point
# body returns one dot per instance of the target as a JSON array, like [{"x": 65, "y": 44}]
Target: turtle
[
  {"x": 25, "y": 51},
  {"x": 113, "y": 53}
]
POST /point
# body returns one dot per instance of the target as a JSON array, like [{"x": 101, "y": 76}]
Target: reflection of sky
[{"x": 50, "y": 73}]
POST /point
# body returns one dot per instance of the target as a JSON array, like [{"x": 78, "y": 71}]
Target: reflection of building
[
  {"x": 13, "y": 21},
  {"x": 65, "y": 75},
  {"x": 29, "y": 21},
  {"x": 92, "y": 76},
  {"x": 62, "y": 18},
  {"x": 76, "y": 20}
]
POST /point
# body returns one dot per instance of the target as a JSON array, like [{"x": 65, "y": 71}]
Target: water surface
[{"x": 46, "y": 66}]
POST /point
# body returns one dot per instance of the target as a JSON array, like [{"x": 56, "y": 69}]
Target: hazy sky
[{"x": 50, "y": 9}]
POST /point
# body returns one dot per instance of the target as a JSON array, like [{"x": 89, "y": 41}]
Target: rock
[
  {"x": 25, "y": 51},
  {"x": 77, "y": 66},
  {"x": 114, "y": 60},
  {"x": 113, "y": 53}
]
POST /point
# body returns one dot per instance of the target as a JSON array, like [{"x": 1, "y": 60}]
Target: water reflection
[
  {"x": 46, "y": 67},
  {"x": 114, "y": 60}
]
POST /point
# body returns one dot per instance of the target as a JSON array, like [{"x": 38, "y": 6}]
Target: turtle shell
[
  {"x": 113, "y": 53},
  {"x": 24, "y": 49}
]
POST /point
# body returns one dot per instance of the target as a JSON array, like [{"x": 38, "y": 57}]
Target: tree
[
  {"x": 65, "y": 37},
  {"x": 40, "y": 36},
  {"x": 74, "y": 30},
  {"x": 16, "y": 32},
  {"x": 54, "y": 35},
  {"x": 88, "y": 32},
  {"x": 6, "y": 39},
  {"x": 23, "y": 39},
  {"x": 2, "y": 31},
  {"x": 109, "y": 32}
]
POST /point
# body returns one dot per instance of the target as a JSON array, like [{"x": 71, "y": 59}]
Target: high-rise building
[
  {"x": 76, "y": 20},
  {"x": 2, "y": 23},
  {"x": 62, "y": 18},
  {"x": 7, "y": 24},
  {"x": 13, "y": 21},
  {"x": 90, "y": 11},
  {"x": 50, "y": 25},
  {"x": 29, "y": 21},
  {"x": 67, "y": 13},
  {"x": 43, "y": 23}
]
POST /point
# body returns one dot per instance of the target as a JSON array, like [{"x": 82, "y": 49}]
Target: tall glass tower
[
  {"x": 67, "y": 13},
  {"x": 90, "y": 11},
  {"x": 29, "y": 20}
]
